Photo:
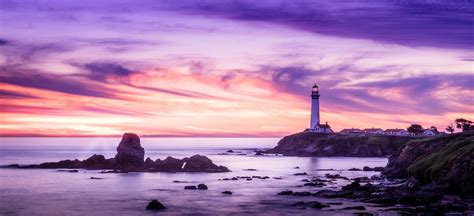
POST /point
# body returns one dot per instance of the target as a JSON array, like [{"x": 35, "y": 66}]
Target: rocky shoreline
[
  {"x": 130, "y": 158},
  {"x": 431, "y": 176}
]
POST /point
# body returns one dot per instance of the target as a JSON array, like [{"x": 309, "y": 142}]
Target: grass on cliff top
[{"x": 427, "y": 169}]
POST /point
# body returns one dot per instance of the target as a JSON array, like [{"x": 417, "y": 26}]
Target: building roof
[
  {"x": 324, "y": 126},
  {"x": 395, "y": 130},
  {"x": 373, "y": 129},
  {"x": 351, "y": 130}
]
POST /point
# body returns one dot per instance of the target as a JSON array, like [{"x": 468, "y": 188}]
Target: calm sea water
[{"x": 48, "y": 192}]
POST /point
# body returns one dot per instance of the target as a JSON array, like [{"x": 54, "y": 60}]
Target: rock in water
[
  {"x": 171, "y": 164},
  {"x": 95, "y": 160},
  {"x": 155, "y": 205},
  {"x": 319, "y": 205},
  {"x": 129, "y": 151},
  {"x": 200, "y": 163},
  {"x": 202, "y": 187},
  {"x": 190, "y": 187}
]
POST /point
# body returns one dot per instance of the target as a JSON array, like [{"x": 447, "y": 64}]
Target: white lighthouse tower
[{"x": 315, "y": 125}]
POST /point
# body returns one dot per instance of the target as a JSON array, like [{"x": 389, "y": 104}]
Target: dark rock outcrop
[
  {"x": 149, "y": 163},
  {"x": 197, "y": 163},
  {"x": 330, "y": 145},
  {"x": 171, "y": 164},
  {"x": 69, "y": 171},
  {"x": 202, "y": 187},
  {"x": 442, "y": 163},
  {"x": 190, "y": 187},
  {"x": 68, "y": 164},
  {"x": 97, "y": 161},
  {"x": 129, "y": 151},
  {"x": 319, "y": 205},
  {"x": 155, "y": 205},
  {"x": 129, "y": 158},
  {"x": 377, "y": 169}
]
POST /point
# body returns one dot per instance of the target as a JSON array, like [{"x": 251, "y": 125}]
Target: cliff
[
  {"x": 443, "y": 162},
  {"x": 330, "y": 145}
]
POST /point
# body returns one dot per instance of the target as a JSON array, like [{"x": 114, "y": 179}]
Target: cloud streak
[
  {"x": 417, "y": 23},
  {"x": 57, "y": 83}
]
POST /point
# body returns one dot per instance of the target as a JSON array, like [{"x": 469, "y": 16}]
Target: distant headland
[{"x": 320, "y": 140}]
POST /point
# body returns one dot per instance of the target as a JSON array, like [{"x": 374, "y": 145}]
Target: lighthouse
[
  {"x": 315, "y": 125},
  {"x": 314, "y": 107}
]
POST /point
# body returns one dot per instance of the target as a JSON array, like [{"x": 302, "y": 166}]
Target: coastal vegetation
[{"x": 446, "y": 162}]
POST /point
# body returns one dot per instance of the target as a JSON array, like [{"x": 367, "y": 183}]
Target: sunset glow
[{"x": 165, "y": 68}]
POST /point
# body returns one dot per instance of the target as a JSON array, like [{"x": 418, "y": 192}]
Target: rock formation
[
  {"x": 199, "y": 162},
  {"x": 129, "y": 158},
  {"x": 129, "y": 151},
  {"x": 155, "y": 205}
]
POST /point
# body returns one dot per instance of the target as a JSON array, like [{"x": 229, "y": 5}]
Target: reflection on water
[{"x": 48, "y": 192}]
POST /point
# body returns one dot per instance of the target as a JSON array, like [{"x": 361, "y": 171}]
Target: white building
[
  {"x": 374, "y": 131},
  {"x": 428, "y": 133},
  {"x": 354, "y": 131},
  {"x": 315, "y": 125},
  {"x": 397, "y": 132}
]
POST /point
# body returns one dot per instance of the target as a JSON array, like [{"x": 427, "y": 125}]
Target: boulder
[
  {"x": 190, "y": 187},
  {"x": 227, "y": 192},
  {"x": 129, "y": 152},
  {"x": 355, "y": 186},
  {"x": 300, "y": 174},
  {"x": 377, "y": 169},
  {"x": 155, "y": 205},
  {"x": 200, "y": 163},
  {"x": 202, "y": 187}
]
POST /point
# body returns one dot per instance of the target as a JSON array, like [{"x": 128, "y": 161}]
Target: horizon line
[{"x": 118, "y": 136}]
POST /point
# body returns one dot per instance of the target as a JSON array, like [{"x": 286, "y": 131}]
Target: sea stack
[{"x": 129, "y": 151}]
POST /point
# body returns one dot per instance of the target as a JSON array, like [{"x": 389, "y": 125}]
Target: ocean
[{"x": 49, "y": 192}]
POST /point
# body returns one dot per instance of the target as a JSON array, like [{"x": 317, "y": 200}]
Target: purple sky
[{"x": 180, "y": 63}]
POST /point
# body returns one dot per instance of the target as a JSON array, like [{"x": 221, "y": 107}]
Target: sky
[{"x": 224, "y": 68}]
